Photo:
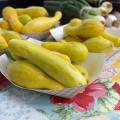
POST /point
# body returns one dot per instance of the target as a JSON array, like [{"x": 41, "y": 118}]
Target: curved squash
[
  {"x": 42, "y": 24},
  {"x": 11, "y": 17},
  {"x": 87, "y": 29},
  {"x": 33, "y": 11}
]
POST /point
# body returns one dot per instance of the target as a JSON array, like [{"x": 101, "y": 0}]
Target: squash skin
[
  {"x": 24, "y": 19},
  {"x": 65, "y": 57}
]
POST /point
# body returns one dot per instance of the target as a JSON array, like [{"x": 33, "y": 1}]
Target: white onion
[{"x": 110, "y": 19}]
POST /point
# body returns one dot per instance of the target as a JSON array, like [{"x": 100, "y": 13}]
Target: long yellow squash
[
  {"x": 27, "y": 75},
  {"x": 42, "y": 24}
]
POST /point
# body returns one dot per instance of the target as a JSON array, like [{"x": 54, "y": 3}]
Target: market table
[{"x": 99, "y": 101}]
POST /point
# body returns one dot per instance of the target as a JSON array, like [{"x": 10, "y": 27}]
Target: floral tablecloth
[{"x": 99, "y": 101}]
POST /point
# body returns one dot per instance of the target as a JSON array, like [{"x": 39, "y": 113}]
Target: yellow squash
[
  {"x": 77, "y": 51},
  {"x": 88, "y": 28},
  {"x": 53, "y": 65},
  {"x": 10, "y": 15},
  {"x": 114, "y": 39},
  {"x": 98, "y": 44},
  {"x": 27, "y": 75},
  {"x": 75, "y": 21},
  {"x": 42, "y": 24},
  {"x": 33, "y": 11}
]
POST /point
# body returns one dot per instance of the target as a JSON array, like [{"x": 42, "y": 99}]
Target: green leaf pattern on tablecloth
[
  {"x": 64, "y": 112},
  {"x": 107, "y": 83},
  {"x": 100, "y": 117},
  {"x": 41, "y": 110},
  {"x": 91, "y": 113},
  {"x": 108, "y": 102}
]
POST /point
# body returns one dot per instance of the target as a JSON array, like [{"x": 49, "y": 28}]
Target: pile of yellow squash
[
  {"x": 26, "y": 20},
  {"x": 51, "y": 65},
  {"x": 37, "y": 67}
]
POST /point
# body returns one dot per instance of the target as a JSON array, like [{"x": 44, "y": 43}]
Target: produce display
[
  {"x": 54, "y": 65},
  {"x": 58, "y": 63}
]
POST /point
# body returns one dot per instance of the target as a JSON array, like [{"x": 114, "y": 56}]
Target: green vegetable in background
[{"x": 76, "y": 9}]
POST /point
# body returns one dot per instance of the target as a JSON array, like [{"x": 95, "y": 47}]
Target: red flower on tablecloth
[
  {"x": 4, "y": 83},
  {"x": 117, "y": 107},
  {"x": 116, "y": 86},
  {"x": 85, "y": 100}
]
